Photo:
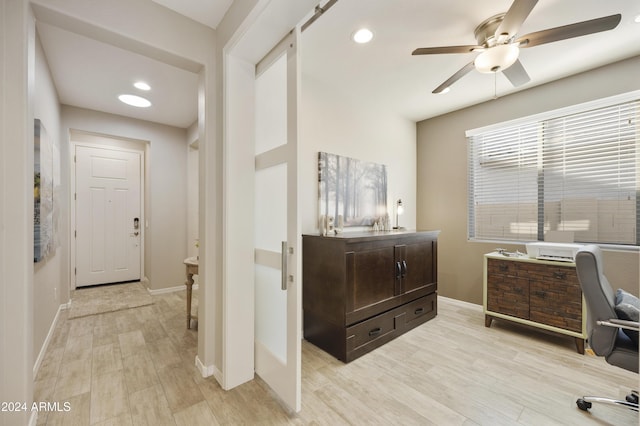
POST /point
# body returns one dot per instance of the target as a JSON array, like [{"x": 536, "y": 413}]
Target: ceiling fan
[{"x": 499, "y": 47}]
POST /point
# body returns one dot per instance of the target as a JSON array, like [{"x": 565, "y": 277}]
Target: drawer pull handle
[
  {"x": 375, "y": 332},
  {"x": 418, "y": 311},
  {"x": 560, "y": 275}
]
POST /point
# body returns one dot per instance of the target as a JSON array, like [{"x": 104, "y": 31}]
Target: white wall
[
  {"x": 165, "y": 187},
  {"x": 442, "y": 157},
  {"x": 333, "y": 122},
  {"x": 17, "y": 69},
  {"x": 51, "y": 275},
  {"x": 192, "y": 191}
]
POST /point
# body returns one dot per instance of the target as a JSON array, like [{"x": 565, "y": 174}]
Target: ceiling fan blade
[
  {"x": 516, "y": 74},
  {"x": 444, "y": 49},
  {"x": 457, "y": 76},
  {"x": 570, "y": 31},
  {"x": 515, "y": 16}
]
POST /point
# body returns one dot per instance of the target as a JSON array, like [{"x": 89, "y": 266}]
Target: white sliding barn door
[{"x": 277, "y": 289}]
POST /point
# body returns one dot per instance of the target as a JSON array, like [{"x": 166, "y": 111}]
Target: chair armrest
[{"x": 618, "y": 323}]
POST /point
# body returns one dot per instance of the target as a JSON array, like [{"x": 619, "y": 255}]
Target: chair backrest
[{"x": 599, "y": 296}]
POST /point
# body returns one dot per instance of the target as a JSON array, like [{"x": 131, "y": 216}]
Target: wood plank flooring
[{"x": 136, "y": 367}]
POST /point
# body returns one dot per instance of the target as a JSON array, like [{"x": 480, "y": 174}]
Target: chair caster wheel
[{"x": 583, "y": 405}]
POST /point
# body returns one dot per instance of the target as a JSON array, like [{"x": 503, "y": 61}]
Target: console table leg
[
  {"x": 487, "y": 320},
  {"x": 580, "y": 345},
  {"x": 189, "y": 285}
]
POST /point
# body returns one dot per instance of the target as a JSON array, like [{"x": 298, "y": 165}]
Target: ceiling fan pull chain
[{"x": 495, "y": 85}]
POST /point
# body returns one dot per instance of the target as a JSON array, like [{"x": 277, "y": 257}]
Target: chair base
[{"x": 631, "y": 401}]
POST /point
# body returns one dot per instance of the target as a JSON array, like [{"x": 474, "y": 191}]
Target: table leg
[{"x": 189, "y": 285}]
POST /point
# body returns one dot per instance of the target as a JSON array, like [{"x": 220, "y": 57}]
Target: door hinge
[
  {"x": 75, "y": 195},
  {"x": 75, "y": 234},
  {"x": 74, "y": 158},
  {"x": 75, "y": 271}
]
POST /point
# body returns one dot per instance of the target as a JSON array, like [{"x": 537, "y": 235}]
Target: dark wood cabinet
[
  {"x": 543, "y": 294},
  {"x": 361, "y": 290}
]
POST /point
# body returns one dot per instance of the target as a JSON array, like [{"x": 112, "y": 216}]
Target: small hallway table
[{"x": 191, "y": 264}]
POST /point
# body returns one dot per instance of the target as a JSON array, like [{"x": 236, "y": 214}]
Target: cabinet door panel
[
  {"x": 508, "y": 295},
  {"x": 418, "y": 270},
  {"x": 371, "y": 275},
  {"x": 556, "y": 298}
]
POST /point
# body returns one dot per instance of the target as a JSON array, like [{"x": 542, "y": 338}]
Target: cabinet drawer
[
  {"x": 369, "y": 332},
  {"x": 501, "y": 267},
  {"x": 420, "y": 310}
]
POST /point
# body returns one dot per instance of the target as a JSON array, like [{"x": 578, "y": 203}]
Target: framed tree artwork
[{"x": 351, "y": 191}]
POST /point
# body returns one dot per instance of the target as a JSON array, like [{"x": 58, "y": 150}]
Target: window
[{"x": 572, "y": 170}]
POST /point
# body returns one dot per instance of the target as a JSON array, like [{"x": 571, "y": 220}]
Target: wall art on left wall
[{"x": 46, "y": 161}]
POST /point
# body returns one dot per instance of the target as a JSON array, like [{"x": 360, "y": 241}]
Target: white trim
[
  {"x": 573, "y": 109},
  {"x": 461, "y": 303},
  {"x": 33, "y": 419},
  {"x": 45, "y": 345},
  {"x": 208, "y": 371},
  {"x": 169, "y": 289}
]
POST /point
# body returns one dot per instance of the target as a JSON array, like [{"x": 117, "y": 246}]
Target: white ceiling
[
  {"x": 207, "y": 12},
  {"x": 90, "y": 74},
  {"x": 384, "y": 72}
]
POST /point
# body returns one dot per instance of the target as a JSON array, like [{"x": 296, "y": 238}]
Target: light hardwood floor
[{"x": 136, "y": 367}]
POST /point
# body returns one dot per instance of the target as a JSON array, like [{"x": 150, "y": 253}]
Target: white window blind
[{"x": 578, "y": 172}]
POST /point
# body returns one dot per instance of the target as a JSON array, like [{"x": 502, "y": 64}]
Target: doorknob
[{"x": 136, "y": 223}]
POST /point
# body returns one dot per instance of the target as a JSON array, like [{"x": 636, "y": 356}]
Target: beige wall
[
  {"x": 165, "y": 187},
  {"x": 442, "y": 174}
]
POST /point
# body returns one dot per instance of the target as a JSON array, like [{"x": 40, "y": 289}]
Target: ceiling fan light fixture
[{"x": 497, "y": 58}]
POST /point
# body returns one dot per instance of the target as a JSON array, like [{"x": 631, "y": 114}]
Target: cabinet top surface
[
  {"x": 522, "y": 257},
  {"x": 374, "y": 235}
]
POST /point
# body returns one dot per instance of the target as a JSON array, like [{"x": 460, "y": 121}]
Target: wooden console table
[
  {"x": 191, "y": 264},
  {"x": 539, "y": 293}
]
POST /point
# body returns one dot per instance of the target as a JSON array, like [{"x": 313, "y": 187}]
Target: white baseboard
[
  {"x": 169, "y": 289},
  {"x": 45, "y": 345},
  {"x": 209, "y": 370},
  {"x": 33, "y": 419},
  {"x": 462, "y": 303}
]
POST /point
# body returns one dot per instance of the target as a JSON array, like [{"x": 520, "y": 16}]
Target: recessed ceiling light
[
  {"x": 135, "y": 101},
  {"x": 637, "y": 19},
  {"x": 445, "y": 90},
  {"x": 362, "y": 36},
  {"x": 141, "y": 85}
]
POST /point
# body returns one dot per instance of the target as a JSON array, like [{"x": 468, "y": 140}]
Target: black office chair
[{"x": 611, "y": 335}]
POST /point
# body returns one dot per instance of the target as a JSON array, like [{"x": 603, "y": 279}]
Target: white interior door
[
  {"x": 108, "y": 221},
  {"x": 277, "y": 230}
]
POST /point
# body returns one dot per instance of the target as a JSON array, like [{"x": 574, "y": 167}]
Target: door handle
[
  {"x": 404, "y": 268},
  {"x": 398, "y": 270}
]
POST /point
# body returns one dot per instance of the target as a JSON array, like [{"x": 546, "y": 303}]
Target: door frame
[
  {"x": 117, "y": 146},
  {"x": 262, "y": 28}
]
